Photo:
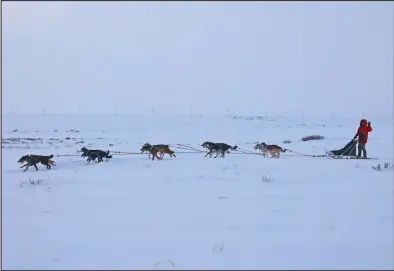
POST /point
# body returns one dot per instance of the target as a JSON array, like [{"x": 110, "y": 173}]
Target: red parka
[{"x": 363, "y": 131}]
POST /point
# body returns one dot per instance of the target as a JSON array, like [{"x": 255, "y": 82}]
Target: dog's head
[
  {"x": 206, "y": 144},
  {"x": 83, "y": 149},
  {"x": 257, "y": 146},
  {"x": 146, "y": 147},
  {"x": 23, "y": 158},
  {"x": 50, "y": 156},
  {"x": 234, "y": 148}
]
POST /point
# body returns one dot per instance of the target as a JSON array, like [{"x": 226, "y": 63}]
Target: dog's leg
[
  {"x": 49, "y": 164},
  {"x": 159, "y": 155},
  {"x": 27, "y": 166}
]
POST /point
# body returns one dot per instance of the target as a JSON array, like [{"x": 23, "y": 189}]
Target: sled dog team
[
  {"x": 154, "y": 151},
  {"x": 159, "y": 150}
]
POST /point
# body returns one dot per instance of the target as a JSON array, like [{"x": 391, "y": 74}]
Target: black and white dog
[
  {"x": 219, "y": 148},
  {"x": 93, "y": 154}
]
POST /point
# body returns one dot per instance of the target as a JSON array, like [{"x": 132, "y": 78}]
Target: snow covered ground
[{"x": 191, "y": 212}]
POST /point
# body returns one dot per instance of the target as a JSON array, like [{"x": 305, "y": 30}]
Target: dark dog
[
  {"x": 33, "y": 160},
  {"x": 211, "y": 147},
  {"x": 224, "y": 148},
  {"x": 219, "y": 148},
  {"x": 155, "y": 149},
  {"x": 95, "y": 154}
]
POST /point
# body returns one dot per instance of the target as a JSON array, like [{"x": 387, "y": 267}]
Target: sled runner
[{"x": 346, "y": 152}]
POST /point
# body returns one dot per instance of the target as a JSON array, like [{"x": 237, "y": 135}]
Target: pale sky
[{"x": 201, "y": 56}]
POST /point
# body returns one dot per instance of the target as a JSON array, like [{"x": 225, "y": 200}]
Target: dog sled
[{"x": 346, "y": 152}]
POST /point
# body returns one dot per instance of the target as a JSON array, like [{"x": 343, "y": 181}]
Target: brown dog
[
  {"x": 274, "y": 150},
  {"x": 158, "y": 149}
]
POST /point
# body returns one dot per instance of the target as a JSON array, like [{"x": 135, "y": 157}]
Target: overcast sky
[{"x": 200, "y": 56}]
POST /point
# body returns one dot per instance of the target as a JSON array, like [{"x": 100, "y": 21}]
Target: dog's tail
[{"x": 107, "y": 155}]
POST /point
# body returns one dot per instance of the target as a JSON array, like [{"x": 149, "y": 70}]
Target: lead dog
[{"x": 33, "y": 160}]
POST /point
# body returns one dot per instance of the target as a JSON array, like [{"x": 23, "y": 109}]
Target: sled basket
[{"x": 348, "y": 151}]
